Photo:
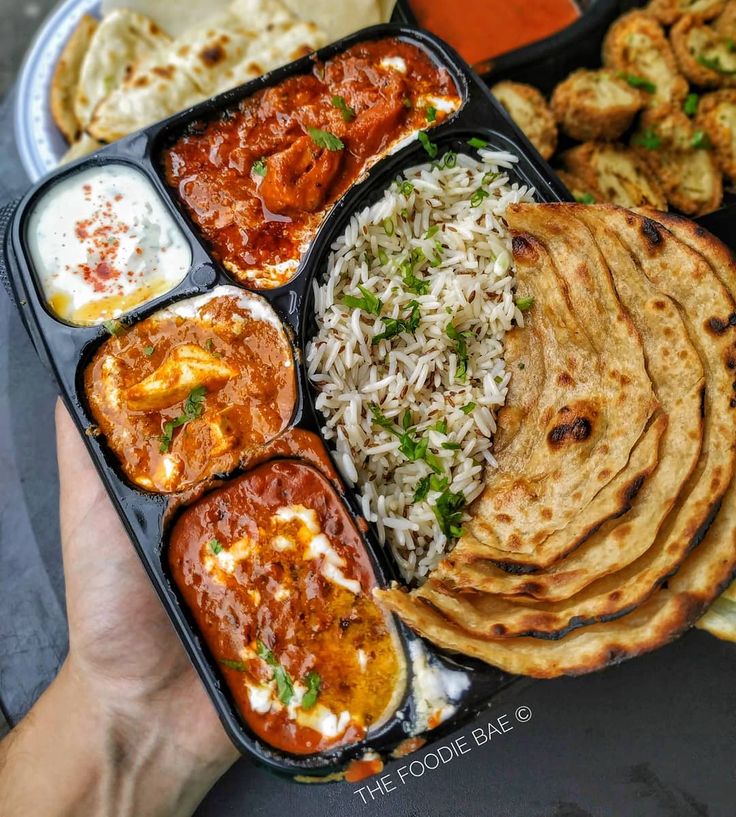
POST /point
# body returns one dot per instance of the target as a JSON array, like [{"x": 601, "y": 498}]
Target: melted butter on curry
[
  {"x": 195, "y": 390},
  {"x": 259, "y": 181},
  {"x": 279, "y": 584}
]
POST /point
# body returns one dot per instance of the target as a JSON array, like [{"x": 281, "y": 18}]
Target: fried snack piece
[
  {"x": 670, "y": 11},
  {"x": 66, "y": 78},
  {"x": 705, "y": 57},
  {"x": 681, "y": 158},
  {"x": 717, "y": 117},
  {"x": 582, "y": 192},
  {"x": 677, "y": 270},
  {"x": 637, "y": 46},
  {"x": 616, "y": 174},
  {"x": 592, "y": 105},
  {"x": 529, "y": 109},
  {"x": 582, "y": 415}
]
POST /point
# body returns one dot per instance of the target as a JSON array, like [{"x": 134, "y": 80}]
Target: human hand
[{"x": 127, "y": 697}]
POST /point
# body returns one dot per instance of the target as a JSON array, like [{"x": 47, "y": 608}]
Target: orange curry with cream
[
  {"x": 194, "y": 390},
  {"x": 278, "y": 581},
  {"x": 259, "y": 181}
]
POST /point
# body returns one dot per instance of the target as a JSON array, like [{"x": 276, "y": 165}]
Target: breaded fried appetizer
[
  {"x": 616, "y": 174},
  {"x": 706, "y": 57},
  {"x": 529, "y": 109},
  {"x": 670, "y": 11},
  {"x": 636, "y": 46},
  {"x": 582, "y": 192},
  {"x": 592, "y": 105},
  {"x": 681, "y": 157},
  {"x": 717, "y": 117}
]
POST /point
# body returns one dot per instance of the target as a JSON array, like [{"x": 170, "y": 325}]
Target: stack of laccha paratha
[{"x": 609, "y": 525}]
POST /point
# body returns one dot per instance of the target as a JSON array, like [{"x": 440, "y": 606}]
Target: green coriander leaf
[
  {"x": 648, "y": 139},
  {"x": 325, "y": 139},
  {"x": 406, "y": 421},
  {"x": 585, "y": 198},
  {"x": 449, "y": 512},
  {"x": 639, "y": 82},
  {"x": 382, "y": 257},
  {"x": 148, "y": 351},
  {"x": 700, "y": 140},
  {"x": 429, "y": 146},
  {"x": 396, "y": 326},
  {"x": 441, "y": 426},
  {"x": 259, "y": 167},
  {"x": 415, "y": 285},
  {"x": 193, "y": 408},
  {"x": 214, "y": 546},
  {"x": 477, "y": 143},
  {"x": 434, "y": 462},
  {"x": 114, "y": 326},
  {"x": 422, "y": 489},
  {"x": 468, "y": 408},
  {"x": 438, "y": 483},
  {"x": 690, "y": 106},
  {"x": 368, "y": 303},
  {"x": 313, "y": 683},
  {"x": 524, "y": 304},
  {"x": 236, "y": 665},
  {"x": 348, "y": 114},
  {"x": 451, "y": 446},
  {"x": 263, "y": 652},
  {"x": 430, "y": 113},
  {"x": 432, "y": 231}
]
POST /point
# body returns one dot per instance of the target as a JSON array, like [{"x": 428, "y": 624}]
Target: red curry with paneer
[
  {"x": 278, "y": 581},
  {"x": 260, "y": 180},
  {"x": 195, "y": 390}
]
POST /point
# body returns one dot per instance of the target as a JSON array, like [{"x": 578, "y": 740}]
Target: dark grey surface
[{"x": 652, "y": 738}]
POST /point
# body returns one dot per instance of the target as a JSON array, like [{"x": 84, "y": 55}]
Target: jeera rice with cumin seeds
[{"x": 408, "y": 356}]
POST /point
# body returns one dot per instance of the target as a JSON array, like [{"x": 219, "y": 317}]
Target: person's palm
[{"x": 121, "y": 642}]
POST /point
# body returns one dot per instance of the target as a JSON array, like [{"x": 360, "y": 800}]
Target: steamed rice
[{"x": 465, "y": 266}]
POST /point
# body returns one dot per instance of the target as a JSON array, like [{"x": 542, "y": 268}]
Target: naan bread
[
  {"x": 691, "y": 274},
  {"x": 82, "y": 147},
  {"x": 587, "y": 400},
  {"x": 340, "y": 19},
  {"x": 121, "y": 40},
  {"x": 66, "y": 78},
  {"x": 248, "y": 39}
]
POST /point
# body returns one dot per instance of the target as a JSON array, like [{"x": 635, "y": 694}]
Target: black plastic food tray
[{"x": 66, "y": 349}]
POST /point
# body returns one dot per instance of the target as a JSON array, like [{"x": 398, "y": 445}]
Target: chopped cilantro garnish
[
  {"x": 368, "y": 303},
  {"x": 284, "y": 684},
  {"x": 148, "y": 351},
  {"x": 690, "y": 106},
  {"x": 461, "y": 349},
  {"x": 477, "y": 143},
  {"x": 395, "y": 326},
  {"x": 452, "y": 446},
  {"x": 432, "y": 231},
  {"x": 434, "y": 462},
  {"x": 412, "y": 447},
  {"x": 715, "y": 64},
  {"x": 449, "y": 512},
  {"x": 585, "y": 198},
  {"x": 467, "y": 409},
  {"x": 430, "y": 113},
  {"x": 477, "y": 197},
  {"x": 428, "y": 145},
  {"x": 214, "y": 546},
  {"x": 259, "y": 167},
  {"x": 700, "y": 140},
  {"x": 193, "y": 408},
  {"x": 523, "y": 304},
  {"x": 313, "y": 683},
  {"x": 325, "y": 139},
  {"x": 648, "y": 139},
  {"x": 639, "y": 82},
  {"x": 236, "y": 665},
  {"x": 422, "y": 489},
  {"x": 441, "y": 426},
  {"x": 114, "y": 326},
  {"x": 414, "y": 284},
  {"x": 348, "y": 114}
]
